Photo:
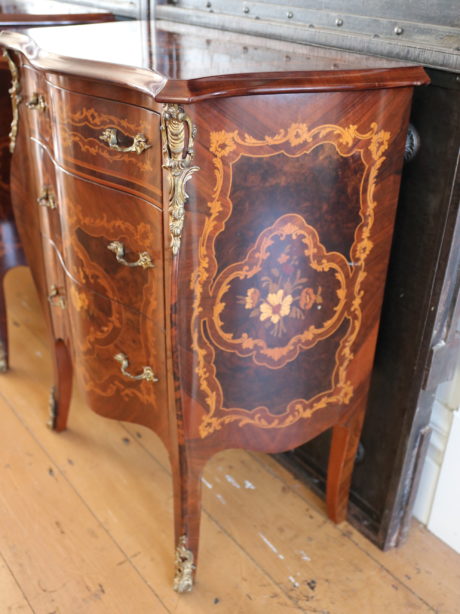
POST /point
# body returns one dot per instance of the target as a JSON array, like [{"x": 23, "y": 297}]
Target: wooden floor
[{"x": 86, "y": 520}]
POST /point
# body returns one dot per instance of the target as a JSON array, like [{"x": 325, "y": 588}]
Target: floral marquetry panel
[
  {"x": 286, "y": 296},
  {"x": 288, "y": 252}
]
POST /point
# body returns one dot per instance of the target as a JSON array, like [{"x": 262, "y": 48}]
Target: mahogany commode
[
  {"x": 14, "y": 14},
  {"x": 208, "y": 224}
]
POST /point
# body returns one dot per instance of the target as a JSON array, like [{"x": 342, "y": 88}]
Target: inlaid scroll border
[
  {"x": 227, "y": 148},
  {"x": 320, "y": 260}
]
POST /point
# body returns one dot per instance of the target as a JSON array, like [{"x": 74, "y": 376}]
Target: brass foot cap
[{"x": 183, "y": 580}]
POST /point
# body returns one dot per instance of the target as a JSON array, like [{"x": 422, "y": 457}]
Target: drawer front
[
  {"x": 112, "y": 243},
  {"x": 112, "y": 142},
  {"x": 44, "y": 194},
  {"x": 35, "y": 107},
  {"x": 119, "y": 357},
  {"x": 36, "y": 206}
]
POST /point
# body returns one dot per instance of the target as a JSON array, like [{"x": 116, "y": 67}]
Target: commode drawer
[
  {"x": 35, "y": 104},
  {"x": 37, "y": 210},
  {"x": 111, "y": 142},
  {"x": 45, "y": 194},
  {"x": 112, "y": 243},
  {"x": 119, "y": 357}
]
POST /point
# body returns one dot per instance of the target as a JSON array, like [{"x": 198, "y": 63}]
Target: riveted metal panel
[{"x": 426, "y": 33}]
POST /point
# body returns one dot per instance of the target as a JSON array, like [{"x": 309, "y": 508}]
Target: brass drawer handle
[
  {"x": 47, "y": 199},
  {"x": 118, "y": 249},
  {"x": 138, "y": 145},
  {"x": 147, "y": 372},
  {"x": 37, "y": 102},
  {"x": 56, "y": 299}
]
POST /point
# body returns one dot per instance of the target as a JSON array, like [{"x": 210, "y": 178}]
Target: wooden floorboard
[
  {"x": 12, "y": 599},
  {"x": 92, "y": 508}
]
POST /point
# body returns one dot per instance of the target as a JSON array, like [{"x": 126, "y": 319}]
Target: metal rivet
[
  {"x": 289, "y": 14},
  {"x": 246, "y": 9},
  {"x": 398, "y": 30},
  {"x": 339, "y": 22}
]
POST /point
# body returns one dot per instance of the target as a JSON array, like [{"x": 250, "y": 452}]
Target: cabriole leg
[
  {"x": 187, "y": 517},
  {"x": 344, "y": 445},
  {"x": 61, "y": 391}
]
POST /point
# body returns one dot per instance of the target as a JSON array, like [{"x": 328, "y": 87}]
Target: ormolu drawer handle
[
  {"x": 47, "y": 199},
  {"x": 118, "y": 249},
  {"x": 55, "y": 298},
  {"x": 139, "y": 143},
  {"x": 147, "y": 372},
  {"x": 37, "y": 102}
]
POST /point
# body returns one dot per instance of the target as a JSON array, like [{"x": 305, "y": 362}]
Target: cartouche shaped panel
[{"x": 283, "y": 260}]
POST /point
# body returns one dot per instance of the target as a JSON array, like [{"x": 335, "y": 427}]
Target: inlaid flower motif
[
  {"x": 252, "y": 298},
  {"x": 349, "y": 135},
  {"x": 308, "y": 297},
  {"x": 222, "y": 143},
  {"x": 298, "y": 133},
  {"x": 282, "y": 296},
  {"x": 276, "y": 306},
  {"x": 364, "y": 248},
  {"x": 379, "y": 143},
  {"x": 79, "y": 299}
]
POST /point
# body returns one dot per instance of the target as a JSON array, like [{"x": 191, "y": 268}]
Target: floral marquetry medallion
[
  {"x": 275, "y": 301},
  {"x": 286, "y": 296}
]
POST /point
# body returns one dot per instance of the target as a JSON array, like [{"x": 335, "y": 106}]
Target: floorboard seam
[
  {"x": 17, "y": 583},
  {"x": 272, "y": 472},
  {"x": 216, "y": 522},
  {"x": 345, "y": 534}
]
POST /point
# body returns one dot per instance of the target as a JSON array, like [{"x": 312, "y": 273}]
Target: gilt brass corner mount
[
  {"x": 178, "y": 136},
  {"x": 15, "y": 93}
]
